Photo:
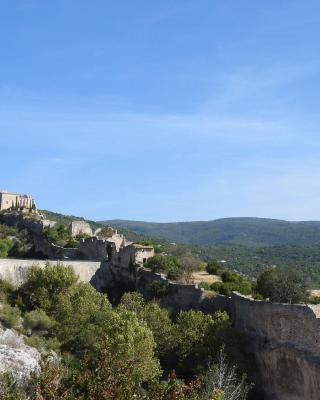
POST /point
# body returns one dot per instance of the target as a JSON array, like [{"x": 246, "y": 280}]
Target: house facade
[{"x": 14, "y": 200}]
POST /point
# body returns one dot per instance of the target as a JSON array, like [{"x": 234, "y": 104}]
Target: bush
[
  {"x": 216, "y": 286},
  {"x": 243, "y": 286},
  {"x": 314, "y": 300},
  {"x": 168, "y": 264},
  {"x": 230, "y": 276},
  {"x": 158, "y": 289},
  {"x": 6, "y": 231},
  {"x": 205, "y": 285},
  {"x": 106, "y": 232},
  {"x": 10, "y": 316},
  {"x": 5, "y": 247},
  {"x": 37, "y": 320},
  {"x": 214, "y": 268},
  {"x": 7, "y": 290}
]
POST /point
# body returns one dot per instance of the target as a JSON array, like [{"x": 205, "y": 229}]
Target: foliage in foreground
[
  {"x": 115, "y": 353},
  {"x": 110, "y": 379}
]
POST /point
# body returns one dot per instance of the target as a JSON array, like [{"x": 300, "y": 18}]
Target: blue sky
[{"x": 162, "y": 110}]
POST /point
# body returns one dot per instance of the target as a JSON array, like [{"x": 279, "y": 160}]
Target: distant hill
[{"x": 235, "y": 231}]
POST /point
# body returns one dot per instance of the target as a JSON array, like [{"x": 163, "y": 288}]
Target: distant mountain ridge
[{"x": 244, "y": 231}]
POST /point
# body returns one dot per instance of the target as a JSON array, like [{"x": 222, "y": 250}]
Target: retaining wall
[{"x": 16, "y": 270}]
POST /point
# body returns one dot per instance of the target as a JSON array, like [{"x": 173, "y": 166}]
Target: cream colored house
[{"x": 9, "y": 200}]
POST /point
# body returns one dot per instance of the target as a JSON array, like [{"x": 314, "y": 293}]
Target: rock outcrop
[{"x": 16, "y": 357}]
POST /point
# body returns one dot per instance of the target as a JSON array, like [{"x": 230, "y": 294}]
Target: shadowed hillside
[{"x": 239, "y": 231}]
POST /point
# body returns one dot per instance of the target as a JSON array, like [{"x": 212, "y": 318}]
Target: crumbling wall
[
  {"x": 80, "y": 227},
  {"x": 94, "y": 249}
]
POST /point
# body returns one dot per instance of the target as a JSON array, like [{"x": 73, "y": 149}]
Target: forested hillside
[{"x": 237, "y": 231}]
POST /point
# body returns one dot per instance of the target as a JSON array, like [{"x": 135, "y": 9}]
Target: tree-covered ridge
[{"x": 237, "y": 231}]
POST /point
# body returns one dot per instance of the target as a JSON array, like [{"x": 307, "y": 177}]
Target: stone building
[{"x": 14, "y": 200}]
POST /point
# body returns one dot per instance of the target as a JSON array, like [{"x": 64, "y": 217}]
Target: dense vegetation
[
  {"x": 15, "y": 242},
  {"x": 118, "y": 353},
  {"x": 231, "y": 281},
  {"x": 236, "y": 231}
]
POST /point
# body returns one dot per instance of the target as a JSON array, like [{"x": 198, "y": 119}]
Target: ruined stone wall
[
  {"x": 94, "y": 249},
  {"x": 285, "y": 340},
  {"x": 16, "y": 270},
  {"x": 80, "y": 227}
]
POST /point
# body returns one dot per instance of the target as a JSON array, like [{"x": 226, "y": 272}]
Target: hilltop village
[{"x": 287, "y": 357}]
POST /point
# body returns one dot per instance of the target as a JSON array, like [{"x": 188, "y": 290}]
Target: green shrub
[
  {"x": 6, "y": 231},
  {"x": 10, "y": 316},
  {"x": 204, "y": 285},
  {"x": 5, "y": 247},
  {"x": 7, "y": 290},
  {"x": 214, "y": 268},
  {"x": 216, "y": 286},
  {"x": 41, "y": 343},
  {"x": 168, "y": 264},
  {"x": 243, "y": 286},
  {"x": 158, "y": 289},
  {"x": 37, "y": 320},
  {"x": 230, "y": 276},
  {"x": 314, "y": 300}
]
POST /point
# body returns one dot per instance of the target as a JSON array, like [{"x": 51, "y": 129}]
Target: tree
[
  {"x": 283, "y": 286},
  {"x": 196, "y": 339},
  {"x": 157, "y": 319},
  {"x": 265, "y": 282},
  {"x": 78, "y": 310},
  {"x": 189, "y": 264},
  {"x": 42, "y": 286}
]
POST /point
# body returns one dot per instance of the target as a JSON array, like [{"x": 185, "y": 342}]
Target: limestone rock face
[{"x": 16, "y": 357}]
